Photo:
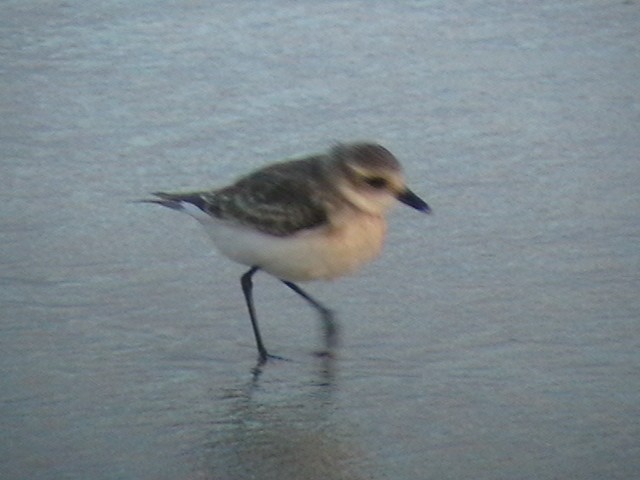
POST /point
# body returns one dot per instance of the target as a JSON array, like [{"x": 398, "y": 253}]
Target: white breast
[{"x": 322, "y": 253}]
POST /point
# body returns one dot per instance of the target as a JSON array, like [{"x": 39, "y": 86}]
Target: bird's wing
[
  {"x": 277, "y": 201},
  {"x": 272, "y": 202}
]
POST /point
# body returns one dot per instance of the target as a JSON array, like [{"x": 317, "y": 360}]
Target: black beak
[{"x": 409, "y": 198}]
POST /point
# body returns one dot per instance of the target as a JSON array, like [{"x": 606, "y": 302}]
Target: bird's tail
[
  {"x": 166, "y": 200},
  {"x": 184, "y": 202}
]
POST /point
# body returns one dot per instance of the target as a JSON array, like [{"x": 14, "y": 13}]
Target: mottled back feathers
[{"x": 287, "y": 197}]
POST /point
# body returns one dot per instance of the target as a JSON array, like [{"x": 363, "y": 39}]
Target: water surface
[{"x": 497, "y": 339}]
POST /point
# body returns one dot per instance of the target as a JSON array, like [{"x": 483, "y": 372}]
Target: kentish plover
[{"x": 311, "y": 218}]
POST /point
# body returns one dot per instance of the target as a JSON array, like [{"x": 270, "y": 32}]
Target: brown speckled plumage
[{"x": 285, "y": 197}]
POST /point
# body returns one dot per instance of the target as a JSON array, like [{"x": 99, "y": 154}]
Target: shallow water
[{"x": 496, "y": 339}]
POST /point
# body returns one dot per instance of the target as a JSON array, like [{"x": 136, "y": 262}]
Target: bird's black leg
[
  {"x": 247, "y": 288},
  {"x": 330, "y": 326}
]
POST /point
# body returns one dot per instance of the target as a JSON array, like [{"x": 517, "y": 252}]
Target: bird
[{"x": 317, "y": 217}]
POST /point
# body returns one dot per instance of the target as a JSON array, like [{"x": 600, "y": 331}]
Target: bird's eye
[{"x": 376, "y": 182}]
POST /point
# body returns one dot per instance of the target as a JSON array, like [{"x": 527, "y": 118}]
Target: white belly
[{"x": 322, "y": 253}]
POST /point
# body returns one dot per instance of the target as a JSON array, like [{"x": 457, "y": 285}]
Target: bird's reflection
[
  {"x": 280, "y": 429},
  {"x": 325, "y": 376}
]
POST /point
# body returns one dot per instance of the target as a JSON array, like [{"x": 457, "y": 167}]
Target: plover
[{"x": 318, "y": 217}]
